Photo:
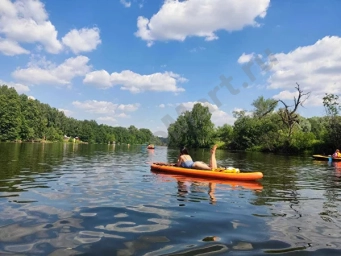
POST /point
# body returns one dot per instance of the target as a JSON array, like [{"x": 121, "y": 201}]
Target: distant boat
[
  {"x": 150, "y": 146},
  {"x": 326, "y": 158}
]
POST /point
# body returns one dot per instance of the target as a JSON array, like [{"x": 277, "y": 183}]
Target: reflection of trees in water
[
  {"x": 28, "y": 159},
  {"x": 332, "y": 186}
]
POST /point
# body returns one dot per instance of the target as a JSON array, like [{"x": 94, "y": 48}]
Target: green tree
[
  {"x": 224, "y": 134},
  {"x": 192, "y": 128},
  {"x": 263, "y": 106},
  {"x": 332, "y": 107},
  {"x": 9, "y": 114}
]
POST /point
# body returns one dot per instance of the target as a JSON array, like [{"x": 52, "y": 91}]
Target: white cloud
[
  {"x": 125, "y": 3},
  {"x": 99, "y": 78},
  {"x": 161, "y": 105},
  {"x": 286, "y": 95},
  {"x": 20, "y": 88},
  {"x": 218, "y": 117},
  {"x": 97, "y": 107},
  {"x": 83, "y": 40},
  {"x": 128, "y": 107},
  {"x": 312, "y": 100},
  {"x": 11, "y": 48},
  {"x": 134, "y": 82},
  {"x": 106, "y": 107},
  {"x": 66, "y": 111},
  {"x": 27, "y": 21},
  {"x": 317, "y": 68},
  {"x": 123, "y": 115},
  {"x": 44, "y": 72},
  {"x": 107, "y": 119},
  {"x": 31, "y": 98},
  {"x": 177, "y": 20},
  {"x": 244, "y": 58}
]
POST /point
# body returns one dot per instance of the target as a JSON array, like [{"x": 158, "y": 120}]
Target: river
[{"x": 70, "y": 199}]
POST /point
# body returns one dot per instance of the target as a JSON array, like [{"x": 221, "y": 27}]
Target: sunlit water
[{"x": 65, "y": 199}]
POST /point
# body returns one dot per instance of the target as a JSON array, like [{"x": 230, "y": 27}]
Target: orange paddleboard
[
  {"x": 244, "y": 176},
  {"x": 252, "y": 185}
]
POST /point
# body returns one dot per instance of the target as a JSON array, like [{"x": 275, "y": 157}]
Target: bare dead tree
[{"x": 288, "y": 113}]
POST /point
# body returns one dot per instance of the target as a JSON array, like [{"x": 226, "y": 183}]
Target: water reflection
[{"x": 67, "y": 199}]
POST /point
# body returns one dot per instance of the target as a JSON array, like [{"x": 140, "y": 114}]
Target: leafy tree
[
  {"x": 9, "y": 114},
  {"x": 224, "y": 134},
  {"x": 332, "y": 107},
  {"x": 27, "y": 119},
  {"x": 192, "y": 128},
  {"x": 263, "y": 106}
]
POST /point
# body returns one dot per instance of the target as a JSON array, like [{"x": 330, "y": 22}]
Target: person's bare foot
[{"x": 214, "y": 148}]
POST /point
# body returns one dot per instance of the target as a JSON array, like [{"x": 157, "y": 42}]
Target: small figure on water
[{"x": 337, "y": 154}]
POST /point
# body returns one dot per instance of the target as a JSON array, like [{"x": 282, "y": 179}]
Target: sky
[{"x": 143, "y": 62}]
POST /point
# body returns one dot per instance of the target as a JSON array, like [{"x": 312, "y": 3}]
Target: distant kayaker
[
  {"x": 337, "y": 154},
  {"x": 185, "y": 160}
]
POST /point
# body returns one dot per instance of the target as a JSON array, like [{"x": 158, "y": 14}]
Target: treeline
[
  {"x": 272, "y": 126},
  {"x": 22, "y": 118}
]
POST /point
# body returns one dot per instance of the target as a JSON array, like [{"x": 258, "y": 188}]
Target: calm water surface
[{"x": 65, "y": 199}]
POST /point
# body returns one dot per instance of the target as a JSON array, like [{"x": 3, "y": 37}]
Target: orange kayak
[
  {"x": 167, "y": 177},
  {"x": 215, "y": 174}
]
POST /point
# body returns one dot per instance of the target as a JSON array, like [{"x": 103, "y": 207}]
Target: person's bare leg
[
  {"x": 213, "y": 161},
  {"x": 201, "y": 166}
]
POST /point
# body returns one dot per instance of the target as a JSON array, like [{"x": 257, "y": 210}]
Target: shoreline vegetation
[
  {"x": 23, "y": 119},
  {"x": 271, "y": 126}
]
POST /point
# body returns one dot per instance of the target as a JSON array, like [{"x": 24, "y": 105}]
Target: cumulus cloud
[
  {"x": 11, "y": 48},
  {"x": 45, "y": 72},
  {"x": 20, "y": 88},
  {"x": 27, "y": 22},
  {"x": 287, "y": 96},
  {"x": 316, "y": 67},
  {"x": 125, "y": 3},
  {"x": 105, "y": 107},
  {"x": 219, "y": 117},
  {"x": 83, "y": 40},
  {"x": 136, "y": 83},
  {"x": 177, "y": 20},
  {"x": 123, "y": 115},
  {"x": 107, "y": 119},
  {"x": 244, "y": 58},
  {"x": 161, "y": 105},
  {"x": 97, "y": 107},
  {"x": 128, "y": 107}
]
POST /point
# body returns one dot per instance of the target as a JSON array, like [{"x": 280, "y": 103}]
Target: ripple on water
[{"x": 104, "y": 199}]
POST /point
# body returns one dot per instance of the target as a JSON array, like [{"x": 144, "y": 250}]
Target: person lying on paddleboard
[
  {"x": 337, "y": 154},
  {"x": 185, "y": 160}
]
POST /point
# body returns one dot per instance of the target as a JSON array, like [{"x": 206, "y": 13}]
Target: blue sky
[{"x": 132, "y": 62}]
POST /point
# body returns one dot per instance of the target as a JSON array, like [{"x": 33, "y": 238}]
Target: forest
[
  {"x": 271, "y": 126},
  {"x": 25, "y": 119}
]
